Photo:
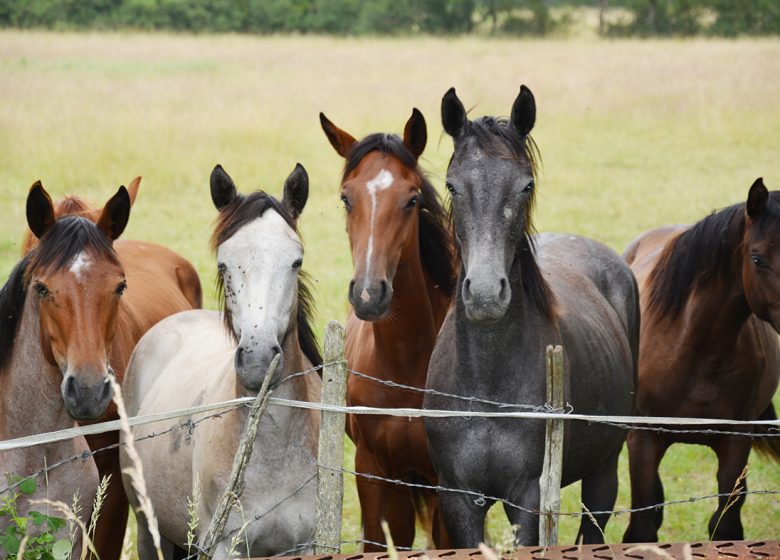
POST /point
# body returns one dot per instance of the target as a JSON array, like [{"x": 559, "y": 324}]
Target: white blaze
[
  {"x": 382, "y": 181},
  {"x": 80, "y": 264}
]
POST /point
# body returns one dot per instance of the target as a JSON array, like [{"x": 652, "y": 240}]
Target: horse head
[
  {"x": 259, "y": 258},
  {"x": 491, "y": 182},
  {"x": 77, "y": 281},
  {"x": 761, "y": 253},
  {"x": 383, "y": 192}
]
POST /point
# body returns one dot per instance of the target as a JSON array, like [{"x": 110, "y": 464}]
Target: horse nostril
[
  {"x": 106, "y": 389},
  {"x": 70, "y": 387},
  {"x": 467, "y": 289},
  {"x": 239, "y": 357},
  {"x": 351, "y": 286},
  {"x": 502, "y": 294},
  {"x": 383, "y": 290},
  {"x": 276, "y": 349}
]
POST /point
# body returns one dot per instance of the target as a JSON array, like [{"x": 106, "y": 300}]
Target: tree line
[{"x": 400, "y": 17}]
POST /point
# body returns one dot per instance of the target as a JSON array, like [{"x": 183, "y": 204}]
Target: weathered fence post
[
  {"x": 330, "y": 487},
  {"x": 236, "y": 483},
  {"x": 550, "y": 482}
]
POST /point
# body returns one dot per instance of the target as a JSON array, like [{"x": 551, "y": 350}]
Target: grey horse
[{"x": 517, "y": 293}]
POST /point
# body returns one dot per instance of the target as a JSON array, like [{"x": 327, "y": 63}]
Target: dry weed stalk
[
  {"x": 603, "y": 536},
  {"x": 391, "y": 550},
  {"x": 193, "y": 519},
  {"x": 136, "y": 472},
  {"x": 70, "y": 516}
]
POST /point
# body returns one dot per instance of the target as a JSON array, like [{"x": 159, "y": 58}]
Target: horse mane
[
  {"x": 435, "y": 237},
  {"x": 65, "y": 240},
  {"x": 232, "y": 218},
  {"x": 68, "y": 206},
  {"x": 496, "y": 138},
  {"x": 12, "y": 298},
  {"x": 708, "y": 251}
]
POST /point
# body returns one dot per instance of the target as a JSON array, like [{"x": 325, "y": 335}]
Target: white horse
[{"x": 198, "y": 357}]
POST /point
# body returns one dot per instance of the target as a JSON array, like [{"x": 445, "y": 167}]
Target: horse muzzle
[
  {"x": 486, "y": 298},
  {"x": 86, "y": 394},
  {"x": 252, "y": 363},
  {"x": 371, "y": 300}
]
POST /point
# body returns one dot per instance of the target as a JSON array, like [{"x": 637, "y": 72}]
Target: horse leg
[
  {"x": 725, "y": 524},
  {"x": 441, "y": 539},
  {"x": 110, "y": 529},
  {"x": 379, "y": 501},
  {"x": 599, "y": 492},
  {"x": 526, "y": 494},
  {"x": 645, "y": 451},
  {"x": 463, "y": 519}
]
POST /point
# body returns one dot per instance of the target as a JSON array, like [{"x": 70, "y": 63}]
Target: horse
[
  {"x": 517, "y": 293},
  {"x": 708, "y": 348},
  {"x": 90, "y": 296},
  {"x": 401, "y": 289},
  {"x": 199, "y": 357}
]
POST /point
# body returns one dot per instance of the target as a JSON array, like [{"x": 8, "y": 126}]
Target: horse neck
[
  {"x": 408, "y": 333},
  {"x": 30, "y": 385}
]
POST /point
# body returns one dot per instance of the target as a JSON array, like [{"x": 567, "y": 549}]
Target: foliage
[
  {"x": 510, "y": 17},
  {"x": 38, "y": 528}
]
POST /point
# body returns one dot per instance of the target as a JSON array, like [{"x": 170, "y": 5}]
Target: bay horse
[
  {"x": 515, "y": 295},
  {"x": 200, "y": 357},
  {"x": 400, "y": 292},
  {"x": 92, "y": 296},
  {"x": 710, "y": 299}
]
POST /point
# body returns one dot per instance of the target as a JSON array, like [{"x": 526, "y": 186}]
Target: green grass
[{"x": 633, "y": 134}]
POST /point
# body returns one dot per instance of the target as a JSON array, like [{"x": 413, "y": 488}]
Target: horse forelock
[
  {"x": 435, "y": 235},
  {"x": 69, "y": 237},
  {"x": 242, "y": 211}
]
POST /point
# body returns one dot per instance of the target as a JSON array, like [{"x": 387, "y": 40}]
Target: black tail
[{"x": 768, "y": 446}]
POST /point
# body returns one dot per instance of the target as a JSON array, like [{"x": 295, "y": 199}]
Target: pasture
[{"x": 633, "y": 134}]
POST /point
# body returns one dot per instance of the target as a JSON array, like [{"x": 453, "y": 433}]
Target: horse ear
[
  {"x": 40, "y": 210},
  {"x": 132, "y": 189},
  {"x": 416, "y": 133},
  {"x": 523, "y": 114},
  {"x": 757, "y": 198},
  {"x": 340, "y": 140},
  {"x": 296, "y": 191},
  {"x": 453, "y": 114},
  {"x": 115, "y": 215},
  {"x": 223, "y": 189}
]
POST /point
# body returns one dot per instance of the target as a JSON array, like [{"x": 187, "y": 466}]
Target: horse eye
[
  {"x": 221, "y": 268},
  {"x": 412, "y": 203},
  {"x": 297, "y": 264},
  {"x": 450, "y": 188},
  {"x": 41, "y": 290},
  {"x": 120, "y": 289},
  {"x": 345, "y": 200},
  {"x": 529, "y": 187},
  {"x": 759, "y": 261}
]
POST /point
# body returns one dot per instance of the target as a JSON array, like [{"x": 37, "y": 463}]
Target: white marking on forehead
[
  {"x": 382, "y": 181},
  {"x": 80, "y": 264}
]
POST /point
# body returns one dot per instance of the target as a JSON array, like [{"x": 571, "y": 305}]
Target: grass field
[{"x": 633, "y": 134}]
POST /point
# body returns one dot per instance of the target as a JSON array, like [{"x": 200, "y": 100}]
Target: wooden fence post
[
  {"x": 550, "y": 482},
  {"x": 330, "y": 487}
]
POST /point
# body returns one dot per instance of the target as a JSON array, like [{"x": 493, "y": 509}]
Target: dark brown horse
[
  {"x": 95, "y": 297},
  {"x": 403, "y": 283},
  {"x": 710, "y": 296}
]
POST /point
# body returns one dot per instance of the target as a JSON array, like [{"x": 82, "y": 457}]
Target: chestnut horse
[
  {"x": 403, "y": 283},
  {"x": 710, "y": 296},
  {"x": 95, "y": 297}
]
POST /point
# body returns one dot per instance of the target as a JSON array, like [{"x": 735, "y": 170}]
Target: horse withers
[
  {"x": 200, "y": 357},
  {"x": 70, "y": 314},
  {"x": 401, "y": 289},
  {"x": 516, "y": 294},
  {"x": 710, "y": 298}
]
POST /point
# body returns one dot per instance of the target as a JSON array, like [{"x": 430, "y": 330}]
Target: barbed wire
[{"x": 482, "y": 499}]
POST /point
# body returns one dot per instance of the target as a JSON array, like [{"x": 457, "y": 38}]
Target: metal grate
[{"x": 723, "y": 550}]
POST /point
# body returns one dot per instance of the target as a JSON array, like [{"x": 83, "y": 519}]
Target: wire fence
[{"x": 527, "y": 411}]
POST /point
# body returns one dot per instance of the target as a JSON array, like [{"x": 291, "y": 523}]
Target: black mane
[
  {"x": 232, "y": 218},
  {"x": 65, "y": 240},
  {"x": 709, "y": 251},
  {"x": 436, "y": 247},
  {"x": 495, "y": 137}
]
